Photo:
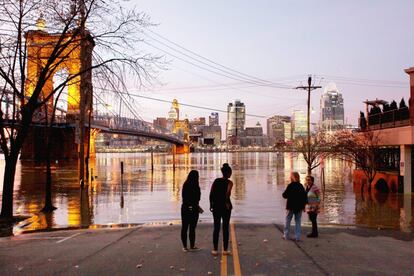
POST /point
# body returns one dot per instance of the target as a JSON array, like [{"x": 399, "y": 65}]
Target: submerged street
[{"x": 259, "y": 179}]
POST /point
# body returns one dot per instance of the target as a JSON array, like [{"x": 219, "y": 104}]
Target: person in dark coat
[
  {"x": 296, "y": 200},
  {"x": 221, "y": 207},
  {"x": 190, "y": 209}
]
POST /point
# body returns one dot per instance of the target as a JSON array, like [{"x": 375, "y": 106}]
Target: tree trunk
[
  {"x": 370, "y": 185},
  {"x": 11, "y": 162},
  {"x": 48, "y": 188},
  {"x": 309, "y": 170},
  {"x": 8, "y": 186}
]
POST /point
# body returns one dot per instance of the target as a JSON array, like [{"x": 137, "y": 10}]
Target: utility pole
[{"x": 309, "y": 88}]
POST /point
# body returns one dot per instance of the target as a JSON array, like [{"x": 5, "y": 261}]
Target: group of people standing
[
  {"x": 220, "y": 206},
  {"x": 299, "y": 199}
]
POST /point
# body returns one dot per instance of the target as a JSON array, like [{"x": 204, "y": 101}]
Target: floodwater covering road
[{"x": 259, "y": 179}]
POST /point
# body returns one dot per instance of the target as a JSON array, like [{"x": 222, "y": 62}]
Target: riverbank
[
  {"x": 257, "y": 250},
  {"x": 197, "y": 150}
]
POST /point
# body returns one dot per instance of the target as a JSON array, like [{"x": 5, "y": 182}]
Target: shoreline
[{"x": 8, "y": 229}]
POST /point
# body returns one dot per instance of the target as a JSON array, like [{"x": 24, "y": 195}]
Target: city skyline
[{"x": 352, "y": 51}]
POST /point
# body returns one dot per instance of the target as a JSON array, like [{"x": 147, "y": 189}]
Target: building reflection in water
[{"x": 259, "y": 180}]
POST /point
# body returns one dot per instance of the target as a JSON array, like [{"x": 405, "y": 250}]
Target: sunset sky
[{"x": 362, "y": 46}]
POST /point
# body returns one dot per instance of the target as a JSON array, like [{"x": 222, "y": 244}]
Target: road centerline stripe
[
  {"x": 236, "y": 260},
  {"x": 223, "y": 271}
]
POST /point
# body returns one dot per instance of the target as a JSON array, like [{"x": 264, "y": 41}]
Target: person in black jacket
[
  {"x": 190, "y": 209},
  {"x": 221, "y": 207},
  {"x": 296, "y": 200}
]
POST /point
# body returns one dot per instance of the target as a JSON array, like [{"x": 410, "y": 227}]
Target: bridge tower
[
  {"x": 65, "y": 141},
  {"x": 182, "y": 128}
]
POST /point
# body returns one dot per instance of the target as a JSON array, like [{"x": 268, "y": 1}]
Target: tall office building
[
  {"x": 197, "y": 124},
  {"x": 277, "y": 127},
  {"x": 253, "y": 136},
  {"x": 287, "y": 127},
  {"x": 213, "y": 119},
  {"x": 236, "y": 118},
  {"x": 299, "y": 124},
  {"x": 332, "y": 109}
]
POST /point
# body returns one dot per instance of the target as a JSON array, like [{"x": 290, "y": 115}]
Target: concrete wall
[{"x": 391, "y": 178}]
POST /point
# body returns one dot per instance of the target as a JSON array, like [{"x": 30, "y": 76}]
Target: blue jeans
[{"x": 289, "y": 215}]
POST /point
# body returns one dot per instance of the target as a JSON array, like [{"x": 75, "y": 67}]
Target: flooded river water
[{"x": 259, "y": 180}]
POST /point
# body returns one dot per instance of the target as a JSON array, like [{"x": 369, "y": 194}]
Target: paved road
[{"x": 156, "y": 250}]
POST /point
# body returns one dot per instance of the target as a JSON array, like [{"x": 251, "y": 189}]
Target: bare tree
[
  {"x": 113, "y": 30},
  {"x": 318, "y": 150},
  {"x": 359, "y": 148}
]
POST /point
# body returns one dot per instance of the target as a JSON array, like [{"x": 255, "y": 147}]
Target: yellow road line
[
  {"x": 223, "y": 271},
  {"x": 236, "y": 261}
]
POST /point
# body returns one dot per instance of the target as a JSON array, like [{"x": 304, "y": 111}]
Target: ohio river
[{"x": 259, "y": 180}]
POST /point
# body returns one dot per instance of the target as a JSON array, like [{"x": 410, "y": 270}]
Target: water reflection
[{"x": 259, "y": 179}]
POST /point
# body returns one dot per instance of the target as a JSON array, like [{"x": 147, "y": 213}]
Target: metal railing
[
  {"x": 130, "y": 124},
  {"x": 389, "y": 119}
]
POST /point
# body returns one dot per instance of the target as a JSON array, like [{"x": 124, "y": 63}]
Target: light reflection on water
[{"x": 259, "y": 179}]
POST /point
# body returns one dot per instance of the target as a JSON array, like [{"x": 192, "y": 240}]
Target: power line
[
  {"x": 361, "y": 79},
  {"x": 226, "y": 69},
  {"x": 364, "y": 82},
  {"x": 231, "y": 87},
  {"x": 196, "y": 106},
  {"x": 226, "y": 75},
  {"x": 183, "y": 104},
  {"x": 216, "y": 85}
]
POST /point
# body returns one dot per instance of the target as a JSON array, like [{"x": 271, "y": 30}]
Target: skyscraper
[
  {"x": 287, "y": 127},
  {"x": 236, "y": 118},
  {"x": 276, "y": 128},
  {"x": 213, "y": 119},
  {"x": 332, "y": 109},
  {"x": 299, "y": 124}
]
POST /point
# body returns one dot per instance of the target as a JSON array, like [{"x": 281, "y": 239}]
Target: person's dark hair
[
  {"x": 226, "y": 170},
  {"x": 312, "y": 178},
  {"x": 192, "y": 179}
]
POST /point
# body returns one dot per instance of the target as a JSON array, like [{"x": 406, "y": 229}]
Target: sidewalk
[{"x": 150, "y": 250}]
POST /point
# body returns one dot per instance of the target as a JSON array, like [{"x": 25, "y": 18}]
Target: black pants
[
  {"x": 218, "y": 216},
  {"x": 312, "y": 217},
  {"x": 189, "y": 218}
]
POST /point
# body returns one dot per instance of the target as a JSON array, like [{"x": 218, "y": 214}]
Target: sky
[{"x": 362, "y": 46}]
